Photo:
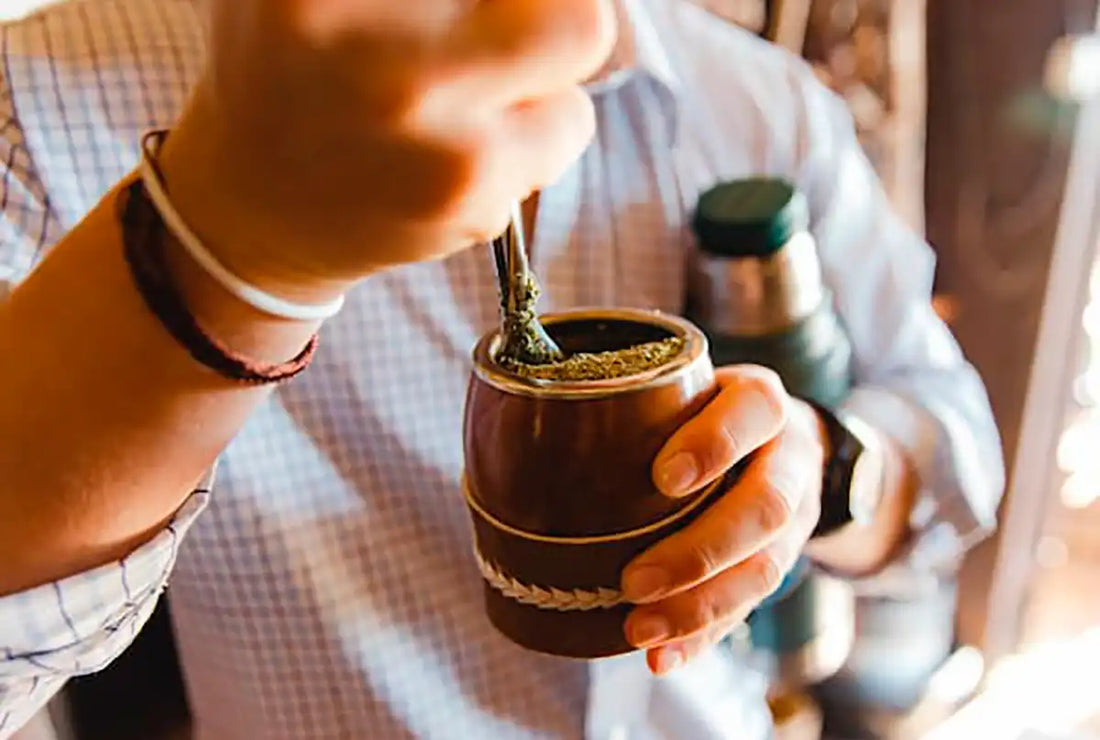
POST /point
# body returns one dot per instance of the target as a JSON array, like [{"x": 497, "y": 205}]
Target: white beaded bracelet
[{"x": 259, "y": 299}]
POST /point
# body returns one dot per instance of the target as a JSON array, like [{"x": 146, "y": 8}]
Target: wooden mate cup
[{"x": 558, "y": 478}]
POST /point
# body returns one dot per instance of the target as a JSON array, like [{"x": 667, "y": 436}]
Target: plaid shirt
[{"x": 329, "y": 591}]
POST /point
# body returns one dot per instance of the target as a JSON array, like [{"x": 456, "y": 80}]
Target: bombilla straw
[
  {"x": 525, "y": 339},
  {"x": 520, "y": 268}
]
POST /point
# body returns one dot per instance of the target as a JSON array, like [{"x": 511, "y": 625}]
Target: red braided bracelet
[{"x": 143, "y": 239}]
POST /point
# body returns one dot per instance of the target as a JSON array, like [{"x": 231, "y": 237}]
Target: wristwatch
[{"x": 852, "y": 486}]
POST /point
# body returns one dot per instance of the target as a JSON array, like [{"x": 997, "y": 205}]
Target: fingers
[
  {"x": 749, "y": 410},
  {"x": 508, "y": 50},
  {"x": 669, "y": 657},
  {"x": 503, "y": 98},
  {"x": 450, "y": 63},
  {"x": 529, "y": 148},
  {"x": 730, "y": 595},
  {"x": 678, "y": 628},
  {"x": 476, "y": 101},
  {"x": 752, "y": 515},
  {"x": 550, "y": 135}
]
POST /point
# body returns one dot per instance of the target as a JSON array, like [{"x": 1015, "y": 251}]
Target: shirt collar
[{"x": 639, "y": 54}]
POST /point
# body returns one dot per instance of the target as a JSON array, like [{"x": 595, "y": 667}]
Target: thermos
[{"x": 755, "y": 288}]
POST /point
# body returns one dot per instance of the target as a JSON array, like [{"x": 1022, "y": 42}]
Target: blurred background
[{"x": 983, "y": 119}]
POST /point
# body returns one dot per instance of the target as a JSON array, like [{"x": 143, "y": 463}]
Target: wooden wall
[{"x": 997, "y": 156}]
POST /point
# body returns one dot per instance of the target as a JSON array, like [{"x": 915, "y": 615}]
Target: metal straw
[{"x": 525, "y": 339}]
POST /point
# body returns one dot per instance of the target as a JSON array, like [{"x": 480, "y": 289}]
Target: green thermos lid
[{"x": 754, "y": 217}]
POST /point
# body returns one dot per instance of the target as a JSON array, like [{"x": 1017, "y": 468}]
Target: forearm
[{"x": 106, "y": 424}]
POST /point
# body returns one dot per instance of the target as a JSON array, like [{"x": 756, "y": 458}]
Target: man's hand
[
  {"x": 695, "y": 586},
  {"x": 330, "y": 139}
]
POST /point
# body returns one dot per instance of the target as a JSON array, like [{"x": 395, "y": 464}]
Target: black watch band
[{"x": 836, "y": 485}]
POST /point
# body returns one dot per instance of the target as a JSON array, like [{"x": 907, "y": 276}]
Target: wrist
[
  {"x": 204, "y": 188},
  {"x": 863, "y": 548},
  {"x": 237, "y": 325}
]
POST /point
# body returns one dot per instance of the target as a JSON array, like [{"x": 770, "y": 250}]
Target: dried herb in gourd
[{"x": 601, "y": 365}]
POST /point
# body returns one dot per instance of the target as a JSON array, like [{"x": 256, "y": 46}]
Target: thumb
[{"x": 748, "y": 412}]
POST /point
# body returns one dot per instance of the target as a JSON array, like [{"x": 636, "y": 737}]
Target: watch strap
[{"x": 836, "y": 485}]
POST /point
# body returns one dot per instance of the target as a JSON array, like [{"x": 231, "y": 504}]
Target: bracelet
[
  {"x": 259, "y": 299},
  {"x": 143, "y": 239}
]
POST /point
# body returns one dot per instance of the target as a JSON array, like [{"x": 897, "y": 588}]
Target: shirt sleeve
[
  {"x": 912, "y": 381},
  {"x": 77, "y": 625},
  {"x": 80, "y": 624}
]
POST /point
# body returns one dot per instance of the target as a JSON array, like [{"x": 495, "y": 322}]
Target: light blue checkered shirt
[{"x": 328, "y": 589}]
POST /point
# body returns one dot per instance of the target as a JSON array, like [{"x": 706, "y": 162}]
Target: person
[{"x": 323, "y": 580}]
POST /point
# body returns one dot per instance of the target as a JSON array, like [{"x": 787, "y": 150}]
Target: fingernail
[
  {"x": 649, "y": 629},
  {"x": 677, "y": 476},
  {"x": 669, "y": 659},
  {"x": 645, "y": 583}
]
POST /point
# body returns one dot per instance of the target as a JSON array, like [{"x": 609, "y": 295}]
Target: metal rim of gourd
[{"x": 695, "y": 350}]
